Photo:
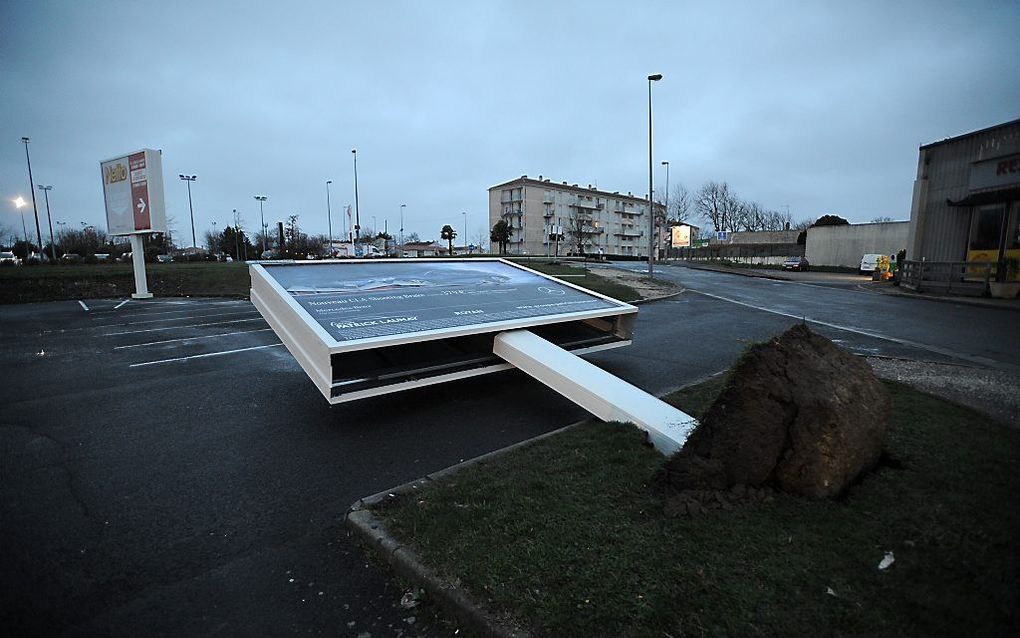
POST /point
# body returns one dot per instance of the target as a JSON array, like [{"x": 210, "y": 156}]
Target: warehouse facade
[{"x": 966, "y": 201}]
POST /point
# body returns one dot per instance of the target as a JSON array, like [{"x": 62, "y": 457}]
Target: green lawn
[
  {"x": 85, "y": 281},
  {"x": 203, "y": 279},
  {"x": 567, "y": 538}
]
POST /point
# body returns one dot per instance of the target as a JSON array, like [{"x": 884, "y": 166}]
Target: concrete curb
[
  {"x": 659, "y": 297},
  {"x": 450, "y": 596},
  {"x": 730, "y": 271},
  {"x": 977, "y": 302}
]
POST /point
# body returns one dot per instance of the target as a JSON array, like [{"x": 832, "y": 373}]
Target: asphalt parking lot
[{"x": 168, "y": 468}]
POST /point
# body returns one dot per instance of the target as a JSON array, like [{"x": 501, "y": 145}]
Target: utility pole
[
  {"x": 357, "y": 209},
  {"x": 651, "y": 202},
  {"x": 329, "y": 218},
  {"x": 189, "y": 179}
]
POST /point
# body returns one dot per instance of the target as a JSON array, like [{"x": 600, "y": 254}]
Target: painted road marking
[
  {"x": 194, "y": 325},
  {"x": 201, "y": 356},
  {"x": 153, "y": 313},
  {"x": 246, "y": 311},
  {"x": 121, "y": 304},
  {"x": 225, "y": 334},
  {"x": 985, "y": 361},
  {"x": 86, "y": 308}
]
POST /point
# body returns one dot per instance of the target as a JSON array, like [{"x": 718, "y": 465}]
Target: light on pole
[
  {"x": 35, "y": 209},
  {"x": 215, "y": 238},
  {"x": 46, "y": 194},
  {"x": 464, "y": 213},
  {"x": 20, "y": 203},
  {"x": 329, "y": 218},
  {"x": 651, "y": 211},
  {"x": 666, "y": 164},
  {"x": 357, "y": 209},
  {"x": 189, "y": 179},
  {"x": 237, "y": 247},
  {"x": 262, "y": 199},
  {"x": 402, "y": 206}
]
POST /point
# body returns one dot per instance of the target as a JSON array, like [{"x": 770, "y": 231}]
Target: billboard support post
[
  {"x": 133, "y": 194},
  {"x": 138, "y": 261}
]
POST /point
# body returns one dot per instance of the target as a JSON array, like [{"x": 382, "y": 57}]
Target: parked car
[
  {"x": 796, "y": 263},
  {"x": 102, "y": 256},
  {"x": 71, "y": 258},
  {"x": 9, "y": 259},
  {"x": 124, "y": 259},
  {"x": 869, "y": 263},
  {"x": 163, "y": 259}
]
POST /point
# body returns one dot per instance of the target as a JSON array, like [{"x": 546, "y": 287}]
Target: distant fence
[
  {"x": 951, "y": 277},
  {"x": 741, "y": 253}
]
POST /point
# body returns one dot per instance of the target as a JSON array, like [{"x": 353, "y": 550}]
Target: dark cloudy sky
[{"x": 816, "y": 105}]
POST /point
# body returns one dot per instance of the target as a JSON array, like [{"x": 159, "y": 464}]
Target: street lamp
[
  {"x": 329, "y": 218},
  {"x": 666, "y": 164},
  {"x": 46, "y": 193},
  {"x": 189, "y": 179},
  {"x": 651, "y": 211},
  {"x": 464, "y": 213},
  {"x": 357, "y": 209},
  {"x": 402, "y": 206},
  {"x": 20, "y": 203},
  {"x": 31, "y": 184},
  {"x": 237, "y": 247},
  {"x": 262, "y": 199}
]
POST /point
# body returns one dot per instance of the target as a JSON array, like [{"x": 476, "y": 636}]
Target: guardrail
[{"x": 951, "y": 277}]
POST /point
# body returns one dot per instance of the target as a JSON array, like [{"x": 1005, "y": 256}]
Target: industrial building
[
  {"x": 845, "y": 245},
  {"x": 966, "y": 203},
  {"x": 550, "y": 218}
]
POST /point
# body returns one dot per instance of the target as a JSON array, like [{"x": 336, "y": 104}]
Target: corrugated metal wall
[{"x": 944, "y": 229}]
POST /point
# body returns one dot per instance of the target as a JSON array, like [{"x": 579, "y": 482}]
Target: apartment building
[{"x": 551, "y": 218}]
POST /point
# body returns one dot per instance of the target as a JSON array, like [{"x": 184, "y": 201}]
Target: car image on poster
[{"x": 353, "y": 301}]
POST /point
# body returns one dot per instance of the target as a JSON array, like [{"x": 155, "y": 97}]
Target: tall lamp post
[
  {"x": 402, "y": 206},
  {"x": 651, "y": 210},
  {"x": 189, "y": 179},
  {"x": 237, "y": 245},
  {"x": 464, "y": 213},
  {"x": 46, "y": 194},
  {"x": 357, "y": 209},
  {"x": 262, "y": 199},
  {"x": 666, "y": 164},
  {"x": 20, "y": 203},
  {"x": 329, "y": 218},
  {"x": 31, "y": 184}
]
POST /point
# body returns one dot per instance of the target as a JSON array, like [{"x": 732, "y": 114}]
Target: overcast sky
[{"x": 819, "y": 106}]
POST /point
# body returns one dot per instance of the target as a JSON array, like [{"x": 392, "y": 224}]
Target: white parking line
[
  {"x": 86, "y": 308},
  {"x": 225, "y": 334},
  {"x": 155, "y": 309},
  {"x": 246, "y": 311},
  {"x": 121, "y": 304},
  {"x": 194, "y": 325},
  {"x": 201, "y": 356},
  {"x": 985, "y": 361}
]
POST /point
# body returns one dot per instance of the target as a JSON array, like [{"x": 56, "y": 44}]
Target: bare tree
[
  {"x": 708, "y": 203},
  {"x": 681, "y": 204},
  {"x": 581, "y": 230}
]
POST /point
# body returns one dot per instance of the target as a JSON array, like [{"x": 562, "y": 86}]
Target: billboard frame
[{"x": 313, "y": 346}]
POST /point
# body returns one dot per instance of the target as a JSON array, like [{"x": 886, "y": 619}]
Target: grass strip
[
  {"x": 567, "y": 537},
  {"x": 205, "y": 279}
]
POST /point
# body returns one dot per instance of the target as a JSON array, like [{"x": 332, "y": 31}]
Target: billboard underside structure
[{"x": 366, "y": 328}]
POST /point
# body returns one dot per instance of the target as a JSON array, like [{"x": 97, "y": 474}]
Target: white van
[{"x": 869, "y": 263}]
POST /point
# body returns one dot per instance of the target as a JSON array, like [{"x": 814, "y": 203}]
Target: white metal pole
[{"x": 138, "y": 261}]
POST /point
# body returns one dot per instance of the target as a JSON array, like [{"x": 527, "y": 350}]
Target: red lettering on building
[{"x": 1007, "y": 166}]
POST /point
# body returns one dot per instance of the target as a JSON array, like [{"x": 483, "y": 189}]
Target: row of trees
[{"x": 717, "y": 204}]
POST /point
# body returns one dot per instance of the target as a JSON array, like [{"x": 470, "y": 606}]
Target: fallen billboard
[{"x": 363, "y": 328}]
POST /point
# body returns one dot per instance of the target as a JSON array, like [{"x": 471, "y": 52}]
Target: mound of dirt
[{"x": 798, "y": 414}]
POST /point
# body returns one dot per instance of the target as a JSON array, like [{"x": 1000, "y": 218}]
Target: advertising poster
[
  {"x": 363, "y": 300},
  {"x": 133, "y": 193},
  {"x": 681, "y": 236}
]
